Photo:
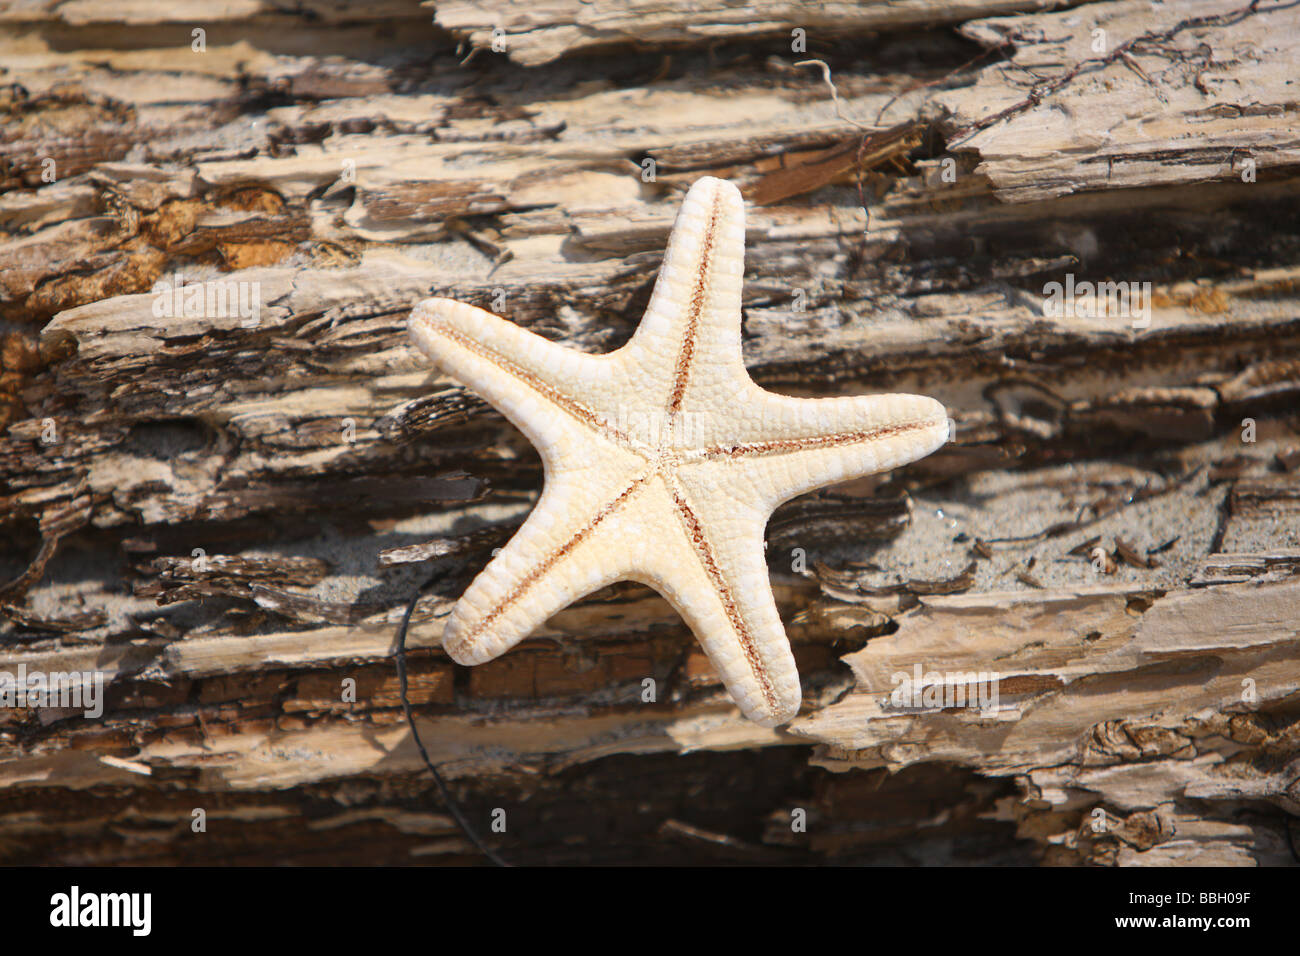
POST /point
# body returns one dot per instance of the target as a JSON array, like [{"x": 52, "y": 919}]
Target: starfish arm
[
  {"x": 532, "y": 381},
  {"x": 690, "y": 336},
  {"x": 714, "y": 574},
  {"x": 567, "y": 548},
  {"x": 786, "y": 446}
]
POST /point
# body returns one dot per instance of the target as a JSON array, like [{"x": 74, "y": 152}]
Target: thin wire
[
  {"x": 400, "y": 657},
  {"x": 866, "y": 135},
  {"x": 835, "y": 96}
]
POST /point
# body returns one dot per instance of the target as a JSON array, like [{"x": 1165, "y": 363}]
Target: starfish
[{"x": 663, "y": 460}]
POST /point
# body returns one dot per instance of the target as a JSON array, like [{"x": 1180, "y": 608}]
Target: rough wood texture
[
  {"x": 538, "y": 33},
  {"x": 224, "y": 511}
]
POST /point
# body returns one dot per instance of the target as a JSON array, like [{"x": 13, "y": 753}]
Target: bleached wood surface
[
  {"x": 350, "y": 163},
  {"x": 538, "y": 33}
]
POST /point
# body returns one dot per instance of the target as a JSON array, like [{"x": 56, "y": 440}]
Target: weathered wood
[
  {"x": 535, "y": 34},
  {"x": 1153, "y": 95},
  {"x": 224, "y": 511}
]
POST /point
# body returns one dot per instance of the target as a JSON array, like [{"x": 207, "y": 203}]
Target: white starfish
[{"x": 663, "y": 460}]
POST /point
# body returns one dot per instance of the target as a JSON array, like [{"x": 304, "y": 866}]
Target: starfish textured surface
[{"x": 663, "y": 460}]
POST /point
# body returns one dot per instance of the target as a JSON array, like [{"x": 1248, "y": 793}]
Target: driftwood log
[{"x": 224, "y": 470}]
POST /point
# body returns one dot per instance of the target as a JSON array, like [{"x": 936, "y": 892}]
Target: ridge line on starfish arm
[
  {"x": 790, "y": 445},
  {"x": 699, "y": 297},
  {"x": 698, "y": 538},
  {"x": 441, "y": 317},
  {"x": 466, "y": 648}
]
